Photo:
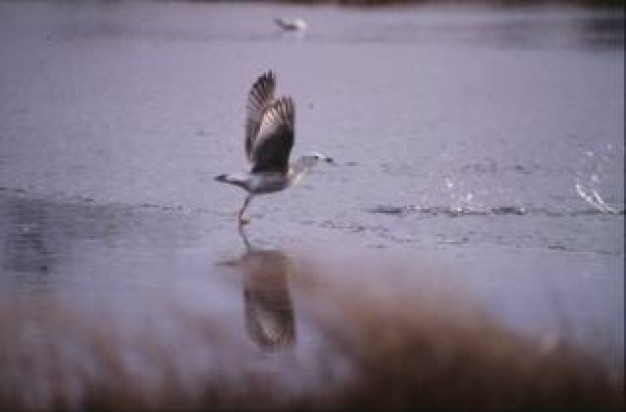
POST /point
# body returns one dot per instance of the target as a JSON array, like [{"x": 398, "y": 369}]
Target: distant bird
[
  {"x": 268, "y": 142},
  {"x": 291, "y": 25}
]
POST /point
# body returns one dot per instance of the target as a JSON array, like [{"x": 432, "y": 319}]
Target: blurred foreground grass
[{"x": 372, "y": 347}]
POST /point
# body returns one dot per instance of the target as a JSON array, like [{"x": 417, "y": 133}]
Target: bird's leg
[
  {"x": 242, "y": 220},
  {"x": 244, "y": 237}
]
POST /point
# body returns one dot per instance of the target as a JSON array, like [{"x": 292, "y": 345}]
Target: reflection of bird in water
[
  {"x": 268, "y": 143},
  {"x": 269, "y": 314},
  {"x": 291, "y": 25}
]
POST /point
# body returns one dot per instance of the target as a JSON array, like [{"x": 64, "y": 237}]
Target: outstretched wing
[
  {"x": 271, "y": 149},
  {"x": 260, "y": 96}
]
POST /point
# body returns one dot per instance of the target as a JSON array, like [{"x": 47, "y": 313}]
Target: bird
[
  {"x": 291, "y": 25},
  {"x": 269, "y": 138}
]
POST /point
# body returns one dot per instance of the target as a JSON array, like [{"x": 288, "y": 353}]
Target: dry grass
[{"x": 380, "y": 349}]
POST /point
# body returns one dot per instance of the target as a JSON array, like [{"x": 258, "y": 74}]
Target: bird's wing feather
[
  {"x": 260, "y": 97},
  {"x": 274, "y": 141}
]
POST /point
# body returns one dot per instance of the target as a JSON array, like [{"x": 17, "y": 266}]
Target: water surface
[{"x": 480, "y": 171}]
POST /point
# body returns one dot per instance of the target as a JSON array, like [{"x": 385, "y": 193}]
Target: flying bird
[
  {"x": 291, "y": 25},
  {"x": 269, "y": 137}
]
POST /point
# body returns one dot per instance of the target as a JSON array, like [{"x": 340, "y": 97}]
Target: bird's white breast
[{"x": 268, "y": 182}]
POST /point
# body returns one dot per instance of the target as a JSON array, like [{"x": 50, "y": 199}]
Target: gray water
[{"x": 477, "y": 149}]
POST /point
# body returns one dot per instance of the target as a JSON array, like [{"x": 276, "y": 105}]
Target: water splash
[{"x": 595, "y": 199}]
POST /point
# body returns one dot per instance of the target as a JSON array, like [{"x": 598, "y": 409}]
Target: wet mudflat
[{"x": 472, "y": 232}]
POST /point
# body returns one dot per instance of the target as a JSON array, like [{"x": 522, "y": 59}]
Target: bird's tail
[
  {"x": 232, "y": 179},
  {"x": 222, "y": 178}
]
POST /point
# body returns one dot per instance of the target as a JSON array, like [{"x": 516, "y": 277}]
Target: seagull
[
  {"x": 269, "y": 136},
  {"x": 293, "y": 25}
]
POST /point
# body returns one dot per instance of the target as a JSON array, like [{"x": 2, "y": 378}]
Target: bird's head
[
  {"x": 300, "y": 24},
  {"x": 306, "y": 163},
  {"x": 315, "y": 158}
]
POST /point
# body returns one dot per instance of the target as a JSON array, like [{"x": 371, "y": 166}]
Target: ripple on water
[{"x": 505, "y": 210}]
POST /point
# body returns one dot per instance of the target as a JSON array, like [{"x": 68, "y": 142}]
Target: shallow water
[{"x": 479, "y": 151}]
